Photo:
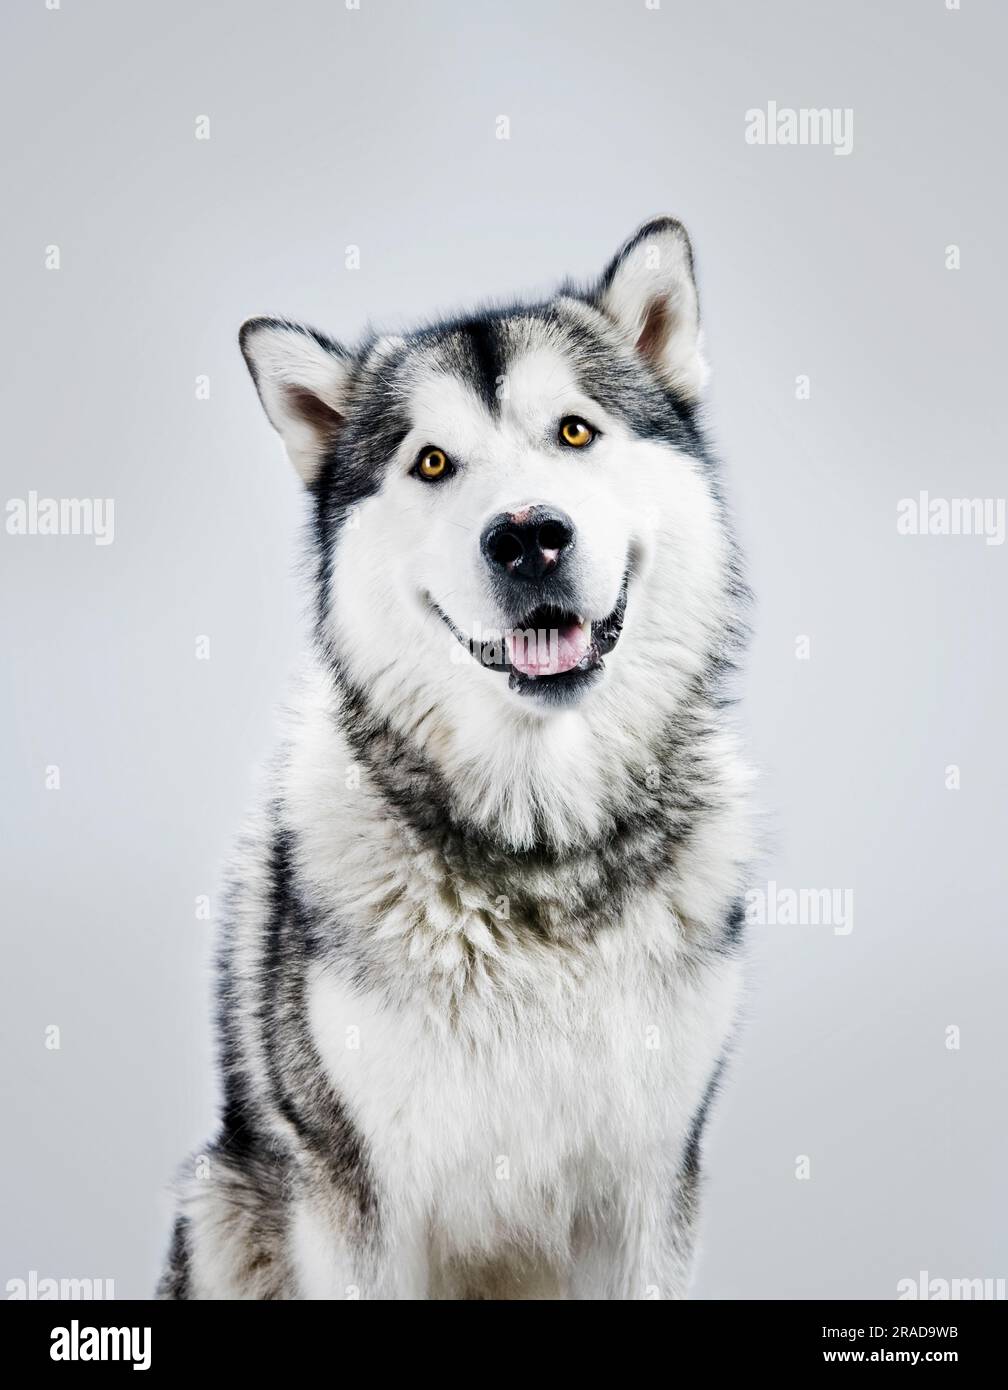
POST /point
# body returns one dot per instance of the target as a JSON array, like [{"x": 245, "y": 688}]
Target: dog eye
[
  {"x": 575, "y": 433},
  {"x": 432, "y": 465}
]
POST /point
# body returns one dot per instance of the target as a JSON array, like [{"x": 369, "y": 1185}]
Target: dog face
[{"x": 516, "y": 516}]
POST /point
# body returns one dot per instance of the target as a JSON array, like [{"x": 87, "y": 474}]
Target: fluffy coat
[{"x": 481, "y": 962}]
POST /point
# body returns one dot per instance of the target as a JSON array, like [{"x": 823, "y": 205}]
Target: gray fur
[{"x": 498, "y": 927}]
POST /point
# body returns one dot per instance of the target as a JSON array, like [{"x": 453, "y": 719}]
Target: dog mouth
[{"x": 550, "y": 650}]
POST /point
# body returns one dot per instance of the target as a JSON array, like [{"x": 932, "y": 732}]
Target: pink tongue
[{"x": 547, "y": 651}]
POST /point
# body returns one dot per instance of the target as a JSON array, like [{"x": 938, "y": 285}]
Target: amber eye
[
  {"x": 576, "y": 433},
  {"x": 432, "y": 464}
]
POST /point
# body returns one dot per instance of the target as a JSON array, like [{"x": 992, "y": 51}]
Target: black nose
[{"x": 528, "y": 544}]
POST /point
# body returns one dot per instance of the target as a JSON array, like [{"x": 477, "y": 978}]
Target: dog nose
[{"x": 529, "y": 543}]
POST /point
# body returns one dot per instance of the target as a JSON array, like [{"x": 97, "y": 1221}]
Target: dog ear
[
  {"x": 649, "y": 291},
  {"x": 303, "y": 380}
]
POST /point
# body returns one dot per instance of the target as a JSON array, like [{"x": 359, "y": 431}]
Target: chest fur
[{"x": 523, "y": 1104}]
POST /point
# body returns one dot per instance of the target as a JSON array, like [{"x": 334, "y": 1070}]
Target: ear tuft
[
  {"x": 649, "y": 292},
  {"x": 303, "y": 382}
]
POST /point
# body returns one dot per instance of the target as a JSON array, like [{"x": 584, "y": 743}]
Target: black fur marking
[
  {"x": 691, "y": 1151},
  {"x": 295, "y": 1091},
  {"x": 634, "y": 850},
  {"x": 487, "y": 362},
  {"x": 734, "y": 927},
  {"x": 174, "y": 1283},
  {"x": 239, "y": 1131},
  {"x": 299, "y": 1086},
  {"x": 686, "y": 1192},
  {"x": 355, "y": 466}
]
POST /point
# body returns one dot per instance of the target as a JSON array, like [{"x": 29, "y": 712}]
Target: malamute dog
[{"x": 481, "y": 962}]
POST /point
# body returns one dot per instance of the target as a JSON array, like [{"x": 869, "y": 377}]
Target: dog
[{"x": 483, "y": 957}]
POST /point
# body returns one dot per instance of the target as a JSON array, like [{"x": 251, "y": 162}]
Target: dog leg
[
  {"x": 639, "y": 1246},
  {"x": 229, "y": 1239},
  {"x": 337, "y": 1256}
]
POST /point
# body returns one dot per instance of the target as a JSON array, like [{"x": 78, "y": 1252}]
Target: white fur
[
  {"x": 628, "y": 498},
  {"x": 588, "y": 1099},
  {"x": 524, "y": 1104},
  {"x": 286, "y": 356},
  {"x": 605, "y": 1078},
  {"x": 658, "y": 273}
]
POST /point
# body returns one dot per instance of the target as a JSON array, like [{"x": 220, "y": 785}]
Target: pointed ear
[
  {"x": 648, "y": 290},
  {"x": 303, "y": 380}
]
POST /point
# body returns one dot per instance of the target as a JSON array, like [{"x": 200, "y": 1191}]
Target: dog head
[{"x": 516, "y": 515}]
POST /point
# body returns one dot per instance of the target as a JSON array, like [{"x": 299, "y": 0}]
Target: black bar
[{"x": 315, "y": 1338}]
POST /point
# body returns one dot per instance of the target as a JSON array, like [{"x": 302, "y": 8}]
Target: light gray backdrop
[{"x": 377, "y": 128}]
